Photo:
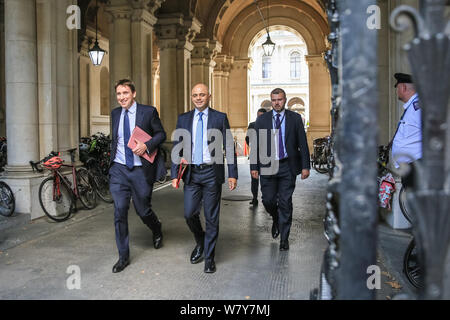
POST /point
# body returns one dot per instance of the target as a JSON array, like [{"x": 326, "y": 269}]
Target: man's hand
[
  {"x": 305, "y": 174},
  {"x": 254, "y": 174},
  {"x": 232, "y": 183},
  {"x": 140, "y": 148},
  {"x": 174, "y": 183}
]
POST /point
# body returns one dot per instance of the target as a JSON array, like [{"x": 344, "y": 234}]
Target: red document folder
[
  {"x": 181, "y": 169},
  {"x": 142, "y": 136}
]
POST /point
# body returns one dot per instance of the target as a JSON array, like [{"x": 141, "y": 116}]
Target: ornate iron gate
[{"x": 351, "y": 217}]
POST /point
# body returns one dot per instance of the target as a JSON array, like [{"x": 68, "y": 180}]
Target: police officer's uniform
[{"x": 407, "y": 142}]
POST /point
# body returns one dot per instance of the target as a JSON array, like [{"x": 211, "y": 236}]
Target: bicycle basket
[{"x": 53, "y": 163}]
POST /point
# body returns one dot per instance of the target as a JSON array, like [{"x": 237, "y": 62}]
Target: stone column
[
  {"x": 142, "y": 42},
  {"x": 202, "y": 63},
  {"x": 221, "y": 77},
  {"x": 238, "y": 83},
  {"x": 46, "y": 45},
  {"x": 175, "y": 35},
  {"x": 2, "y": 71},
  {"x": 85, "y": 64},
  {"x": 131, "y": 45},
  {"x": 156, "y": 86},
  {"x": 319, "y": 98},
  {"x": 21, "y": 80},
  {"x": 21, "y": 84},
  {"x": 64, "y": 60},
  {"x": 120, "y": 43}
]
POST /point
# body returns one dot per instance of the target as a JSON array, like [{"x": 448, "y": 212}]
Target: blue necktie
[
  {"x": 129, "y": 158},
  {"x": 198, "y": 151},
  {"x": 280, "y": 138}
]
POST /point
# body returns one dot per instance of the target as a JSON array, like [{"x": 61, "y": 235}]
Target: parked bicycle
[
  {"x": 411, "y": 266},
  {"x": 99, "y": 181},
  {"x": 95, "y": 154},
  {"x": 57, "y": 194},
  {"x": 3, "y": 153},
  {"x": 7, "y": 200},
  {"x": 321, "y": 156}
]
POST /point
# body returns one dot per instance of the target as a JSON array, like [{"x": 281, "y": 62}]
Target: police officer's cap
[{"x": 402, "y": 78}]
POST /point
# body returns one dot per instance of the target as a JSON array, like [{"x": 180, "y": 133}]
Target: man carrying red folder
[
  {"x": 132, "y": 173},
  {"x": 204, "y": 173}
]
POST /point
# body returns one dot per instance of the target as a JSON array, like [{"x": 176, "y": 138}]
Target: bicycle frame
[{"x": 61, "y": 177}]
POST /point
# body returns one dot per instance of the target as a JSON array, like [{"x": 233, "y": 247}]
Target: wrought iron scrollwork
[
  {"x": 429, "y": 57},
  {"x": 327, "y": 288}
]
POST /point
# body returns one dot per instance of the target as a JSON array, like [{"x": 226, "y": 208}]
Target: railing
[{"x": 351, "y": 216}]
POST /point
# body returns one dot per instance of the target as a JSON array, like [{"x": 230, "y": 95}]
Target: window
[
  {"x": 266, "y": 67},
  {"x": 295, "y": 65}
]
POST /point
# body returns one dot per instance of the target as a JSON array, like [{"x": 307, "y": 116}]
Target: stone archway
[{"x": 236, "y": 24}]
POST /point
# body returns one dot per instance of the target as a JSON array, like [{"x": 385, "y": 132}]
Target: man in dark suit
[
  {"x": 255, "y": 182},
  {"x": 132, "y": 176},
  {"x": 206, "y": 136},
  {"x": 290, "y": 157}
]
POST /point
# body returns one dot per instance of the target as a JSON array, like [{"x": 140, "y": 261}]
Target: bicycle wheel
[
  {"x": 7, "y": 201},
  {"x": 101, "y": 184},
  {"x": 411, "y": 265},
  {"x": 56, "y": 199},
  {"x": 320, "y": 167},
  {"x": 404, "y": 204},
  {"x": 86, "y": 191}
]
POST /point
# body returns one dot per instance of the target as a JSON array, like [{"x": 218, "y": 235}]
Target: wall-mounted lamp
[
  {"x": 268, "y": 45},
  {"x": 96, "y": 53}
]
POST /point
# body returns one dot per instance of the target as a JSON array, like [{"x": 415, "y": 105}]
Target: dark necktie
[
  {"x": 280, "y": 138},
  {"x": 129, "y": 158}
]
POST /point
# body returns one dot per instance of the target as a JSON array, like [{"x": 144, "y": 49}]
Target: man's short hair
[
  {"x": 125, "y": 82},
  {"x": 261, "y": 110},
  {"x": 278, "y": 91}
]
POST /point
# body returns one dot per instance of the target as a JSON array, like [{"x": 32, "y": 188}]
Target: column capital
[
  {"x": 117, "y": 12},
  {"x": 173, "y": 30},
  {"x": 150, "y": 5},
  {"x": 206, "y": 49},
  {"x": 144, "y": 16},
  {"x": 315, "y": 60},
  {"x": 224, "y": 63}
]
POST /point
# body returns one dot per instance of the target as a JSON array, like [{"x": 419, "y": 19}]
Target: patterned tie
[
  {"x": 198, "y": 152},
  {"x": 129, "y": 158},
  {"x": 280, "y": 138}
]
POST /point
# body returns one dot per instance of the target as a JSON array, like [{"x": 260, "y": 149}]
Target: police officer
[{"x": 407, "y": 141}]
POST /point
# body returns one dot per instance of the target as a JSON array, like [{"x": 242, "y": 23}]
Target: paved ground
[{"x": 37, "y": 259}]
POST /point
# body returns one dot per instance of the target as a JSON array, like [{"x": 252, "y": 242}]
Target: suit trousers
[
  {"x": 125, "y": 184},
  {"x": 254, "y": 188},
  {"x": 203, "y": 187},
  {"x": 277, "y": 193}
]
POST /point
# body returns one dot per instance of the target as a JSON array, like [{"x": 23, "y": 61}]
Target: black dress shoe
[
  {"x": 210, "y": 266},
  {"x": 197, "y": 254},
  {"x": 254, "y": 202},
  {"x": 284, "y": 245},
  {"x": 157, "y": 241},
  {"x": 157, "y": 238},
  {"x": 120, "y": 265},
  {"x": 275, "y": 231}
]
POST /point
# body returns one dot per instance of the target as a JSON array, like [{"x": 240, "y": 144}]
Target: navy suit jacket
[
  {"x": 216, "y": 120},
  {"x": 295, "y": 141},
  {"x": 148, "y": 120}
]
